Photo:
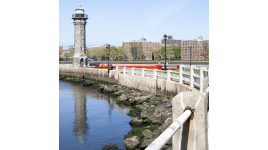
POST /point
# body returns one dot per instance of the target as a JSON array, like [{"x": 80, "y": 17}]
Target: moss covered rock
[{"x": 109, "y": 147}]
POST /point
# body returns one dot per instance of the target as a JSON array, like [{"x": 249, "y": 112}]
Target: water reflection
[
  {"x": 90, "y": 119},
  {"x": 80, "y": 125}
]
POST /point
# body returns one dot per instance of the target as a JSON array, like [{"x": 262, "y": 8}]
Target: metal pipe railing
[{"x": 159, "y": 142}]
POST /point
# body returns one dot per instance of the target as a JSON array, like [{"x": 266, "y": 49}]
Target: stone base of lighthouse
[{"x": 79, "y": 60}]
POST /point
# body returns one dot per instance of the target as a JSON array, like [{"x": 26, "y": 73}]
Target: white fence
[{"x": 192, "y": 76}]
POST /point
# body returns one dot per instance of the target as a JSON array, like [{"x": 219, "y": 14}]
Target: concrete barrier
[
  {"x": 194, "y": 133},
  {"x": 157, "y": 86}
]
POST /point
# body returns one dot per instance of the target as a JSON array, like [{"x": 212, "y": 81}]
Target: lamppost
[
  {"x": 108, "y": 47},
  {"x": 190, "y": 55},
  {"x": 165, "y": 38}
]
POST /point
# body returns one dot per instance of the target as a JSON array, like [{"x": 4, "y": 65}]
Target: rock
[
  {"x": 157, "y": 113},
  {"x": 127, "y": 136},
  {"x": 109, "y": 89},
  {"x": 101, "y": 87},
  {"x": 156, "y": 99},
  {"x": 168, "y": 105},
  {"x": 153, "y": 127},
  {"x": 122, "y": 98},
  {"x": 146, "y": 142},
  {"x": 119, "y": 93},
  {"x": 136, "y": 121},
  {"x": 109, "y": 147},
  {"x": 165, "y": 115},
  {"x": 119, "y": 87},
  {"x": 142, "y": 99},
  {"x": 132, "y": 143},
  {"x": 161, "y": 107},
  {"x": 131, "y": 100},
  {"x": 132, "y": 113},
  {"x": 140, "y": 107},
  {"x": 156, "y": 133},
  {"x": 166, "y": 124},
  {"x": 154, "y": 119},
  {"x": 147, "y": 134}
]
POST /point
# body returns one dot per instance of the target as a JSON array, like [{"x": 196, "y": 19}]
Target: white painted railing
[
  {"x": 192, "y": 76},
  {"x": 161, "y": 140}
]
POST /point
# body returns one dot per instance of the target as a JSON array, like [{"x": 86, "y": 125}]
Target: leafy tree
[
  {"x": 134, "y": 47},
  {"x": 88, "y": 53},
  {"x": 141, "y": 54},
  {"x": 60, "y": 55},
  {"x": 205, "y": 49},
  {"x": 177, "y": 51},
  {"x": 71, "y": 50}
]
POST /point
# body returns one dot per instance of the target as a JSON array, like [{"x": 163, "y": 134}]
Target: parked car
[{"x": 90, "y": 59}]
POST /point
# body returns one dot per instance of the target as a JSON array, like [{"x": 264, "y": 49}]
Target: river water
[{"x": 89, "y": 119}]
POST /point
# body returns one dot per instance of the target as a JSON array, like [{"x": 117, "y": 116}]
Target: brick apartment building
[
  {"x": 171, "y": 41},
  {"x": 197, "y": 49},
  {"x": 147, "y": 46},
  {"x": 61, "y": 49}
]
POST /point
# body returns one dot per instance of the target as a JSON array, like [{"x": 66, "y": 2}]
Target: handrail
[
  {"x": 193, "y": 77},
  {"x": 161, "y": 140}
]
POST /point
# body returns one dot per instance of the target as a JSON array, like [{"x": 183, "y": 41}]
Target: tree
[
  {"x": 98, "y": 52},
  {"x": 205, "y": 49},
  {"x": 158, "y": 54},
  {"x": 88, "y": 53},
  {"x": 141, "y": 54},
  {"x": 134, "y": 47},
  {"x": 71, "y": 50},
  {"x": 177, "y": 52},
  {"x": 60, "y": 55}
]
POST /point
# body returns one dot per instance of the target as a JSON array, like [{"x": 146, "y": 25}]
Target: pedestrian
[
  {"x": 109, "y": 68},
  {"x": 112, "y": 67},
  {"x": 159, "y": 63},
  {"x": 167, "y": 63}
]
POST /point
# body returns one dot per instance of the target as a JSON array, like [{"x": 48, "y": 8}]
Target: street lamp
[
  {"x": 190, "y": 55},
  {"x": 108, "y": 47},
  {"x": 165, "y": 38}
]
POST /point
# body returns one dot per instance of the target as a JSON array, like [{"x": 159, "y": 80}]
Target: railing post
[
  {"x": 142, "y": 72},
  {"x": 154, "y": 74},
  {"x": 168, "y": 74},
  {"x": 201, "y": 79},
  {"x": 180, "y": 73},
  {"x": 192, "y": 76},
  {"x": 116, "y": 68},
  {"x": 132, "y": 71},
  {"x": 124, "y": 70},
  {"x": 194, "y": 133}
]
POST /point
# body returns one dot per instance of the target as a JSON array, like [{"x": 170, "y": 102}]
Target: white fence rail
[
  {"x": 192, "y": 76},
  {"x": 161, "y": 140}
]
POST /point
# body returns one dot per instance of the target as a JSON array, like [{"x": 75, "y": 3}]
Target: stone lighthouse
[{"x": 80, "y": 57}]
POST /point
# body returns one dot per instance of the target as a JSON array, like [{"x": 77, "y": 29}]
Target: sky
[{"x": 118, "y": 21}]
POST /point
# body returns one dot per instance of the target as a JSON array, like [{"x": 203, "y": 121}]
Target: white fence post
[
  {"x": 132, "y": 71},
  {"x": 142, "y": 72},
  {"x": 154, "y": 74},
  {"x": 124, "y": 70},
  {"x": 116, "y": 68},
  {"x": 201, "y": 79},
  {"x": 168, "y": 74},
  {"x": 192, "y": 76},
  {"x": 180, "y": 73}
]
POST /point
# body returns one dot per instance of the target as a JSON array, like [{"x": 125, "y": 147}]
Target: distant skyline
[{"x": 120, "y": 21}]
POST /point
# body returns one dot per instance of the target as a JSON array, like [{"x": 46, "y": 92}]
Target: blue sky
[{"x": 117, "y": 21}]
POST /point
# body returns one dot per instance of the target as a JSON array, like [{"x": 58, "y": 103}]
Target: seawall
[{"x": 157, "y": 86}]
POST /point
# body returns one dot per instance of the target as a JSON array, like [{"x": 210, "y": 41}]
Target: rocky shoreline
[{"x": 153, "y": 113}]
